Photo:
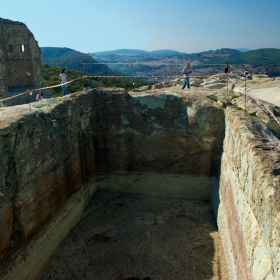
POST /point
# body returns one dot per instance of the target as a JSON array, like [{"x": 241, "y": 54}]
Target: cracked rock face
[{"x": 52, "y": 148}]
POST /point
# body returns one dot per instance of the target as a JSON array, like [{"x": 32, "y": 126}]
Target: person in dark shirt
[{"x": 226, "y": 68}]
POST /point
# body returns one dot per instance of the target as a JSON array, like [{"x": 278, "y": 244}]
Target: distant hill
[
  {"x": 243, "y": 50},
  {"x": 121, "y": 52},
  {"x": 167, "y": 52},
  {"x": 74, "y": 60},
  {"x": 135, "y": 52},
  {"x": 260, "y": 56},
  {"x": 132, "y": 52},
  {"x": 203, "y": 63},
  {"x": 139, "y": 63},
  {"x": 258, "y": 61},
  {"x": 143, "y": 64}
]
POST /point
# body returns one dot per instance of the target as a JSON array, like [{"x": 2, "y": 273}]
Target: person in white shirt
[
  {"x": 186, "y": 72},
  {"x": 63, "y": 77}
]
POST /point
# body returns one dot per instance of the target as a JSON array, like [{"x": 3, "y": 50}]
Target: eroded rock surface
[{"x": 248, "y": 216}]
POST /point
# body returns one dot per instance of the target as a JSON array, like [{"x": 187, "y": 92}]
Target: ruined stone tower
[{"x": 20, "y": 57}]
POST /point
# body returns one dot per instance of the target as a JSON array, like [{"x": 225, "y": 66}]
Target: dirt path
[{"x": 125, "y": 236}]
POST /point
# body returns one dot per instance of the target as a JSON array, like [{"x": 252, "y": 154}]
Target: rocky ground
[
  {"x": 261, "y": 86},
  {"x": 266, "y": 89},
  {"x": 129, "y": 236}
]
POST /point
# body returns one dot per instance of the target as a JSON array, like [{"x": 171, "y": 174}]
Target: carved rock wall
[
  {"x": 249, "y": 212},
  {"x": 50, "y": 152}
]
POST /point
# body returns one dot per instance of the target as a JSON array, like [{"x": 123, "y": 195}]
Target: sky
[{"x": 187, "y": 26}]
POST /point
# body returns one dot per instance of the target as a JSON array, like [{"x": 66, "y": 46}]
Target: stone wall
[
  {"x": 249, "y": 212},
  {"x": 20, "y": 57}
]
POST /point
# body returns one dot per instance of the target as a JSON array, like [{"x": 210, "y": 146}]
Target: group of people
[{"x": 187, "y": 70}]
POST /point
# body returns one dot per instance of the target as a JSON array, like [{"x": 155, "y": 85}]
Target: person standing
[
  {"x": 186, "y": 72},
  {"x": 63, "y": 77},
  {"x": 226, "y": 68}
]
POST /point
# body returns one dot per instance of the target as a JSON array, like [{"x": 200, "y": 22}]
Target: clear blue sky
[{"x": 182, "y": 25}]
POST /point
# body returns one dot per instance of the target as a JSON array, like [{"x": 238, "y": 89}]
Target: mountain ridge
[
  {"x": 256, "y": 61},
  {"x": 135, "y": 52},
  {"x": 163, "y": 52},
  {"x": 75, "y": 60}
]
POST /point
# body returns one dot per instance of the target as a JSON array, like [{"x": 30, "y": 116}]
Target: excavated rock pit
[{"x": 160, "y": 168}]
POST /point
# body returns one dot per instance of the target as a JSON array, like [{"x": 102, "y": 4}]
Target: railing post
[
  {"x": 245, "y": 93},
  {"x": 154, "y": 78},
  {"x": 227, "y": 84}
]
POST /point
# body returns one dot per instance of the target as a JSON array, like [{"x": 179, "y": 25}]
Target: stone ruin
[{"x": 20, "y": 57}]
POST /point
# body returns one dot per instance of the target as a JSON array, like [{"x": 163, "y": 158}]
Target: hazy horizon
[{"x": 186, "y": 26}]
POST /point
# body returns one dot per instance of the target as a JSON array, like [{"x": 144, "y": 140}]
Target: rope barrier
[
  {"x": 155, "y": 77},
  {"x": 237, "y": 70},
  {"x": 151, "y": 76},
  {"x": 12, "y": 96},
  {"x": 257, "y": 101},
  {"x": 236, "y": 84},
  {"x": 136, "y": 63},
  {"x": 111, "y": 76},
  {"x": 29, "y": 92}
]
